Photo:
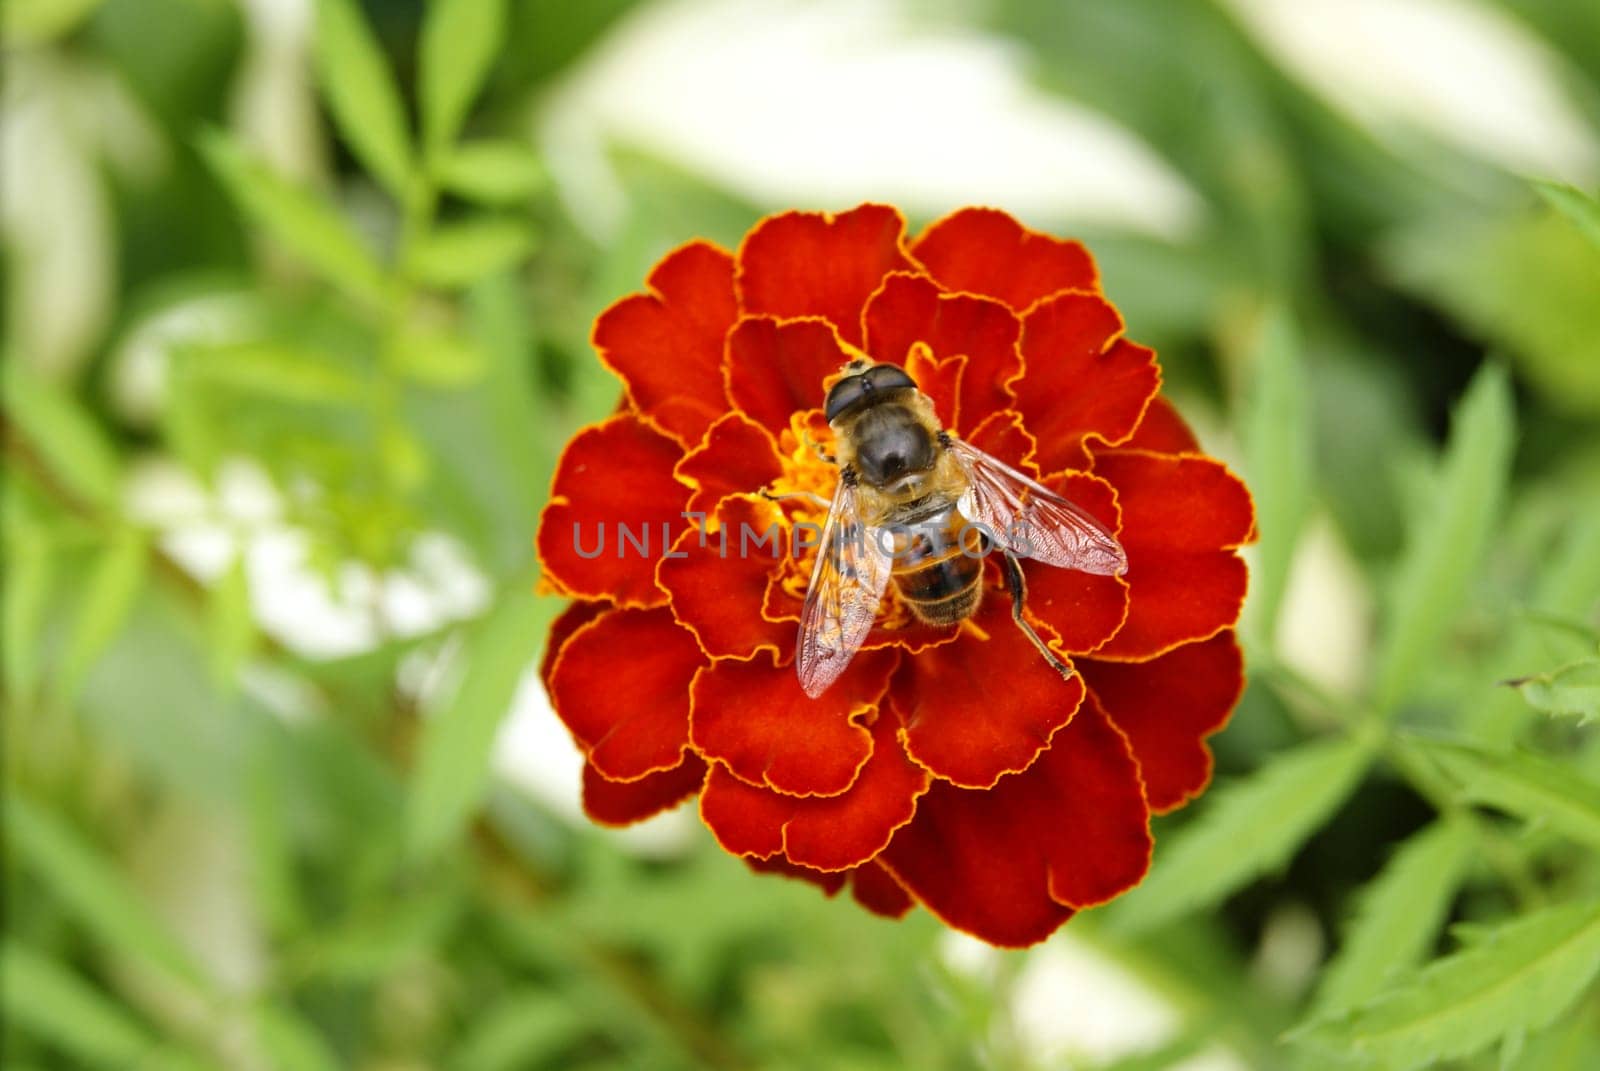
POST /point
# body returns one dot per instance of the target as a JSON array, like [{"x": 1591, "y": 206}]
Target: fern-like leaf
[
  {"x": 1400, "y": 915},
  {"x": 1516, "y": 977},
  {"x": 1249, "y": 828},
  {"x": 1522, "y": 784}
]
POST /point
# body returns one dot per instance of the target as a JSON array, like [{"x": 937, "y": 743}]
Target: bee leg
[
  {"x": 810, "y": 496},
  {"x": 817, "y": 449},
  {"x": 1019, "y": 594}
]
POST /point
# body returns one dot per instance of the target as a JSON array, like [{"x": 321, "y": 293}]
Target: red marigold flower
[{"x": 950, "y": 766}]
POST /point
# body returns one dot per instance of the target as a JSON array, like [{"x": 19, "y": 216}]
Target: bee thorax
[{"x": 890, "y": 444}]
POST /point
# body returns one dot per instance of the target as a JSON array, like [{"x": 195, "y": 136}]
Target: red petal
[
  {"x": 576, "y": 615},
  {"x": 1081, "y": 378},
  {"x": 872, "y": 886},
  {"x": 753, "y": 717},
  {"x": 1003, "y": 436},
  {"x": 666, "y": 344},
  {"x": 776, "y": 367},
  {"x": 988, "y": 252},
  {"x": 817, "y": 264},
  {"x": 1082, "y": 609},
  {"x": 910, "y": 308},
  {"x": 940, "y": 379},
  {"x": 1009, "y": 864},
  {"x": 980, "y": 708},
  {"x": 616, "y": 472},
  {"x": 1181, "y": 519},
  {"x": 1167, "y": 707},
  {"x": 622, "y": 803},
  {"x": 876, "y": 890},
  {"x": 1175, "y": 598},
  {"x": 1177, "y": 503},
  {"x": 717, "y": 588},
  {"x": 823, "y": 832},
  {"x": 736, "y": 456},
  {"x": 830, "y": 884},
  {"x": 621, "y": 685},
  {"x": 1163, "y": 430}
]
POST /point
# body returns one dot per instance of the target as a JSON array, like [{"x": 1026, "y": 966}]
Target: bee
[{"x": 917, "y": 506}]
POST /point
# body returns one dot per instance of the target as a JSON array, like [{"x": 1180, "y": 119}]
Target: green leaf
[
  {"x": 1522, "y": 283},
  {"x": 273, "y": 878},
  {"x": 495, "y": 443},
  {"x": 290, "y": 1042},
  {"x": 64, "y": 436},
  {"x": 1572, "y": 1045},
  {"x": 523, "y": 1028},
  {"x": 1399, "y": 917},
  {"x": 493, "y": 172},
  {"x": 361, "y": 93},
  {"x": 1518, "y": 976},
  {"x": 1278, "y": 442},
  {"x": 29, "y": 580},
  {"x": 33, "y": 22},
  {"x": 1582, "y": 209},
  {"x": 458, "y": 254},
  {"x": 114, "y": 583},
  {"x": 1531, "y": 787},
  {"x": 1572, "y": 690},
  {"x": 276, "y": 371},
  {"x": 232, "y": 628},
  {"x": 304, "y": 223},
  {"x": 405, "y": 461},
  {"x": 1447, "y": 537},
  {"x": 1555, "y": 625},
  {"x": 89, "y": 886},
  {"x": 453, "y": 766},
  {"x": 151, "y": 704},
  {"x": 1567, "y": 580},
  {"x": 43, "y": 998},
  {"x": 386, "y": 935},
  {"x": 460, "y": 39},
  {"x": 1247, "y": 829},
  {"x": 438, "y": 359},
  {"x": 191, "y": 431}
]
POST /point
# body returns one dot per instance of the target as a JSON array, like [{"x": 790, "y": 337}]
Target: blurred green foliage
[{"x": 225, "y": 851}]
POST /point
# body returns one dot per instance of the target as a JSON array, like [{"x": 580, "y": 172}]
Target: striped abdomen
[{"x": 938, "y": 566}]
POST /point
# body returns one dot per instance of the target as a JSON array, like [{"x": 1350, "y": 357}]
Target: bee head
[{"x": 863, "y": 385}]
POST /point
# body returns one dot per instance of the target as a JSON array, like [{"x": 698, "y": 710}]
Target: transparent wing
[
  {"x": 846, "y": 587},
  {"x": 1032, "y": 521}
]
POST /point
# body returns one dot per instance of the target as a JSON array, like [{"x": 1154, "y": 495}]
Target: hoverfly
[{"x": 916, "y": 505}]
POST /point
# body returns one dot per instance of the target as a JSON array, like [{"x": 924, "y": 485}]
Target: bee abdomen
[
  {"x": 937, "y": 580},
  {"x": 952, "y": 608},
  {"x": 938, "y": 568}
]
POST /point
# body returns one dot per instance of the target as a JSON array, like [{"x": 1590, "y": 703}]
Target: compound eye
[
  {"x": 886, "y": 377},
  {"x": 845, "y": 393}
]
